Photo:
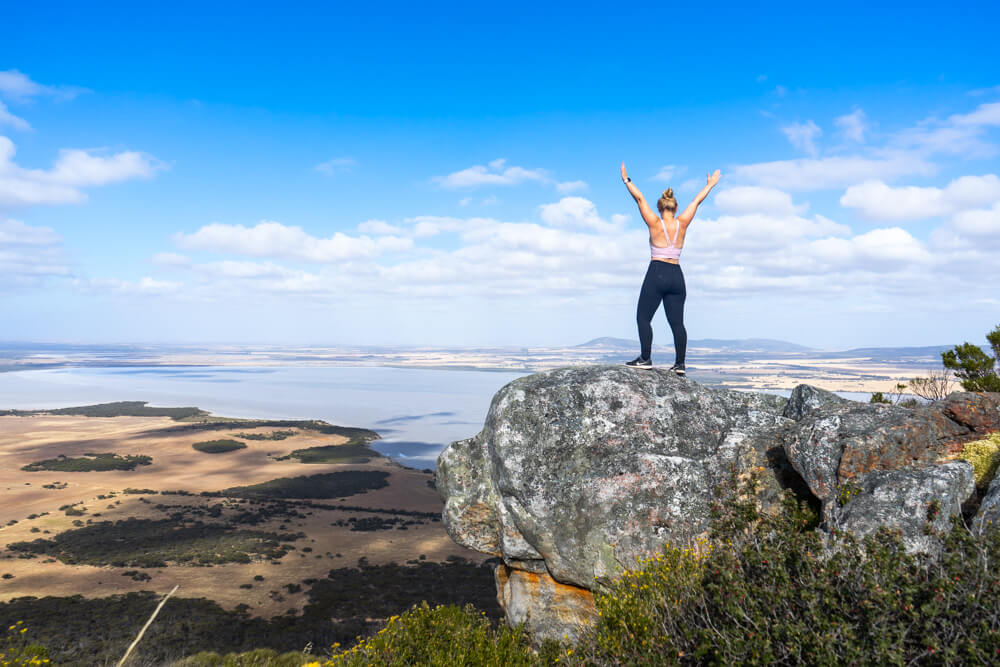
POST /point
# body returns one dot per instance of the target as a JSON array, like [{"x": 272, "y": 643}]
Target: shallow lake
[{"x": 416, "y": 411}]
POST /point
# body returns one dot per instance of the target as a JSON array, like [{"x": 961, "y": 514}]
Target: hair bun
[{"x": 669, "y": 193}]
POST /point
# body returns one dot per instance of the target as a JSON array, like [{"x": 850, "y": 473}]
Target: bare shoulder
[{"x": 651, "y": 221}]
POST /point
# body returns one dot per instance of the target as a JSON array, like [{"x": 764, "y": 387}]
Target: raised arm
[
  {"x": 687, "y": 216},
  {"x": 647, "y": 213}
]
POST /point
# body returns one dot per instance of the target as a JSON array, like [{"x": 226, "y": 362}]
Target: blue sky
[{"x": 448, "y": 174}]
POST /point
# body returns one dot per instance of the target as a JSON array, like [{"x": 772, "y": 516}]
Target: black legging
[{"x": 664, "y": 282}]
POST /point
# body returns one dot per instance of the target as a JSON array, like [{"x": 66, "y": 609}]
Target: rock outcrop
[{"x": 579, "y": 472}]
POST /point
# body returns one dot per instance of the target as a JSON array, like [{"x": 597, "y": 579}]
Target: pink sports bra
[{"x": 666, "y": 252}]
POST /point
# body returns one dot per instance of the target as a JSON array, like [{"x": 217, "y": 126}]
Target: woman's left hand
[{"x": 624, "y": 173}]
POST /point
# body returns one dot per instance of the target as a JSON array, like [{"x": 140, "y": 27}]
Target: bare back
[{"x": 657, "y": 238}]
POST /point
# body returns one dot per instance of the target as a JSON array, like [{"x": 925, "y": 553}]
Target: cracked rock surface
[{"x": 578, "y": 472}]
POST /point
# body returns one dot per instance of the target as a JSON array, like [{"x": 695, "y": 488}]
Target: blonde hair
[{"x": 667, "y": 202}]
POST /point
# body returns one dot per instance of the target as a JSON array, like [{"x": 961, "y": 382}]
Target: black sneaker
[
  {"x": 678, "y": 369},
  {"x": 639, "y": 362}
]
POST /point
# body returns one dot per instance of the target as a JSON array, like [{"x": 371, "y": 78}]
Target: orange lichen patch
[
  {"x": 916, "y": 443},
  {"x": 978, "y": 411},
  {"x": 540, "y": 600}
]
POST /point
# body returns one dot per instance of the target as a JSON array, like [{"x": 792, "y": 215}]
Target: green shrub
[
  {"x": 150, "y": 543},
  {"x": 984, "y": 455},
  {"x": 262, "y": 657},
  {"x": 443, "y": 635},
  {"x": 324, "y": 485},
  {"x": 16, "y": 651},
  {"x": 766, "y": 591},
  {"x": 89, "y": 462},
  {"x": 274, "y": 435},
  {"x": 358, "y": 452},
  {"x": 218, "y": 446},
  {"x": 973, "y": 367}
]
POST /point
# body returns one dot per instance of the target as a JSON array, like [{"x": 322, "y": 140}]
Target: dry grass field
[{"x": 177, "y": 467}]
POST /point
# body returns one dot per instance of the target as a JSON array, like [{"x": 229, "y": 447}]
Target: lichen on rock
[{"x": 578, "y": 473}]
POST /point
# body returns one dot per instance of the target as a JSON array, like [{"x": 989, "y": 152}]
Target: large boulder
[
  {"x": 834, "y": 444},
  {"x": 589, "y": 468},
  {"x": 579, "y": 472},
  {"x": 909, "y": 500}
]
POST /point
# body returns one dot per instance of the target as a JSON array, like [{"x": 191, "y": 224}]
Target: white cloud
[
  {"x": 494, "y": 174},
  {"x": 146, "y": 286},
  {"x": 72, "y": 170},
  {"x": 15, "y": 232},
  {"x": 431, "y": 225},
  {"x": 82, "y": 168},
  {"x": 7, "y": 118},
  {"x": 985, "y": 114},
  {"x": 761, "y": 231},
  {"x": 171, "y": 259},
  {"x": 378, "y": 228},
  {"x": 237, "y": 269},
  {"x": 576, "y": 212},
  {"x": 831, "y": 172},
  {"x": 29, "y": 254},
  {"x": 338, "y": 165},
  {"x": 273, "y": 239},
  {"x": 959, "y": 134},
  {"x": 18, "y": 86},
  {"x": 571, "y": 186},
  {"x": 669, "y": 172},
  {"x": 984, "y": 222},
  {"x": 976, "y": 230},
  {"x": 905, "y": 153},
  {"x": 877, "y": 201},
  {"x": 803, "y": 135},
  {"x": 853, "y": 126},
  {"x": 751, "y": 199},
  {"x": 891, "y": 245}
]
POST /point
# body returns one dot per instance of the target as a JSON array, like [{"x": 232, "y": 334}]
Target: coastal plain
[
  {"x": 396, "y": 520},
  {"x": 751, "y": 364}
]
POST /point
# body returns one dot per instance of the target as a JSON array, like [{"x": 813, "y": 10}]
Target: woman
[{"x": 664, "y": 280}]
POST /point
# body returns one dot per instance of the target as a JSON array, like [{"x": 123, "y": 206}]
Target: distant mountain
[
  {"x": 610, "y": 343},
  {"x": 750, "y": 345},
  {"x": 742, "y": 345}
]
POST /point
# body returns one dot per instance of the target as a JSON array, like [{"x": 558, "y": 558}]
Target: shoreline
[{"x": 854, "y": 376}]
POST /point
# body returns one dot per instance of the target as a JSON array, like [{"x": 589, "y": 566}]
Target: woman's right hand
[
  {"x": 624, "y": 173},
  {"x": 712, "y": 178}
]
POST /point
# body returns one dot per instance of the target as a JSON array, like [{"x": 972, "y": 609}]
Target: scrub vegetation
[
  {"x": 762, "y": 589},
  {"x": 154, "y": 542},
  {"x": 325, "y": 485},
  {"x": 346, "y": 453},
  {"x": 89, "y": 462},
  {"x": 83, "y": 632},
  {"x": 975, "y": 368},
  {"x": 117, "y": 409},
  {"x": 984, "y": 455},
  {"x": 274, "y": 435},
  {"x": 218, "y": 446}
]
